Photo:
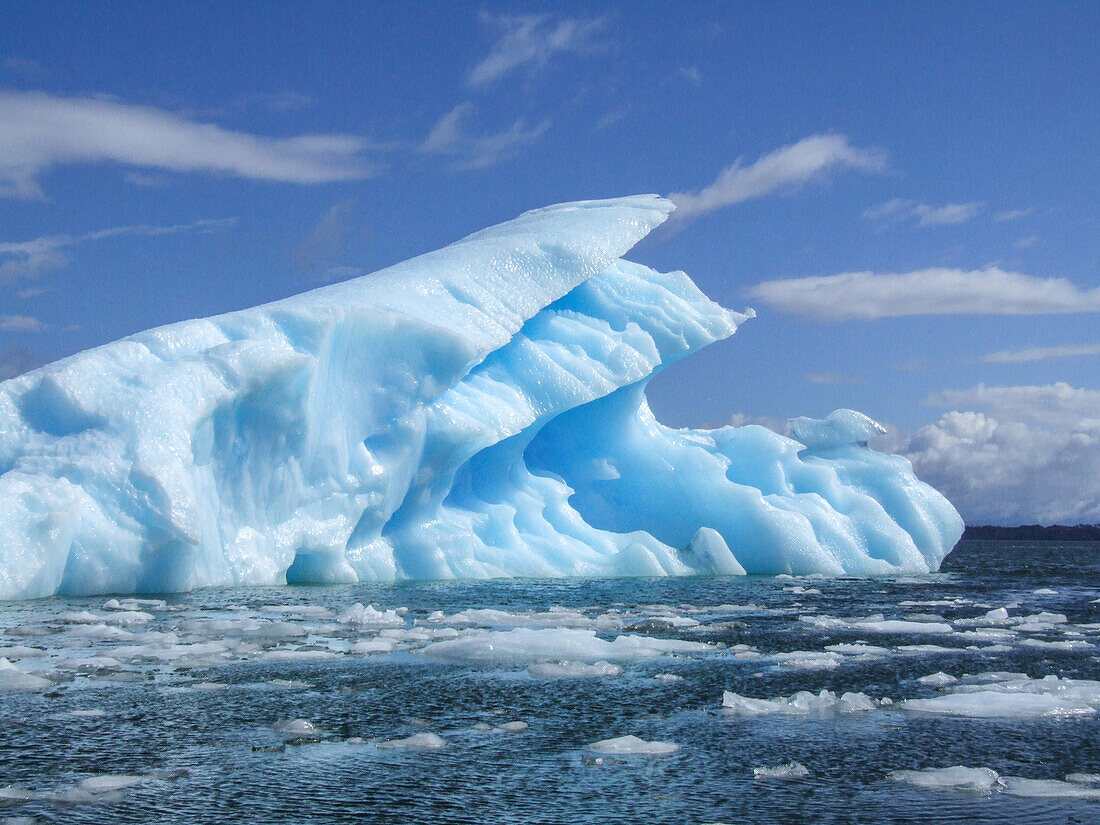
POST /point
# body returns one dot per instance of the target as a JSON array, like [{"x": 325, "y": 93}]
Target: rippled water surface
[{"x": 291, "y": 704}]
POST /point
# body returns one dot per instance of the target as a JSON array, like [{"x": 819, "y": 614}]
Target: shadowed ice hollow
[{"x": 475, "y": 412}]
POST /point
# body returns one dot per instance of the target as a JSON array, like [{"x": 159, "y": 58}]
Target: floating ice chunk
[
  {"x": 526, "y": 644},
  {"x": 989, "y": 704},
  {"x": 416, "y": 742},
  {"x": 858, "y": 649},
  {"x": 12, "y": 678},
  {"x": 297, "y": 655},
  {"x": 809, "y": 660},
  {"x": 938, "y": 679},
  {"x": 105, "y": 783},
  {"x": 1083, "y": 778},
  {"x": 1061, "y": 644},
  {"x": 294, "y": 729},
  {"x": 370, "y": 616},
  {"x": 21, "y": 652},
  {"x": 368, "y": 646},
  {"x": 79, "y": 617},
  {"x": 877, "y": 624},
  {"x": 516, "y": 726},
  {"x": 15, "y": 793},
  {"x": 668, "y": 677},
  {"x": 711, "y": 554},
  {"x": 573, "y": 670},
  {"x": 632, "y": 745},
  {"x": 957, "y": 777},
  {"x": 803, "y": 703},
  {"x": 1045, "y": 591},
  {"x": 788, "y": 770},
  {"x": 1048, "y": 788}
]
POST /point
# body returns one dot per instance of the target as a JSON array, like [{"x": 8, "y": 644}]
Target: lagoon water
[{"x": 493, "y": 701}]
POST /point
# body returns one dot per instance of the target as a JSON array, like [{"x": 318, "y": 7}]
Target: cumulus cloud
[
  {"x": 30, "y": 260},
  {"x": 899, "y": 209},
  {"x": 1027, "y": 356},
  {"x": 809, "y": 159},
  {"x": 39, "y": 131},
  {"x": 868, "y": 295},
  {"x": 531, "y": 41},
  {"x": 1014, "y": 455},
  {"x": 449, "y": 138}
]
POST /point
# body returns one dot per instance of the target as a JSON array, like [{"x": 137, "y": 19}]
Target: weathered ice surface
[{"x": 475, "y": 412}]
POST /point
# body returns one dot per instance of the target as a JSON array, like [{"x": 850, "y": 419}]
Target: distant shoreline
[{"x": 1033, "y": 532}]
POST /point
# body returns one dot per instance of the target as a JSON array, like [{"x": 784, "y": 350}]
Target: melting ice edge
[{"x": 475, "y": 412}]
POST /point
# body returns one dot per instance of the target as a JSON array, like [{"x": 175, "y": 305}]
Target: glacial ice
[{"x": 475, "y": 412}]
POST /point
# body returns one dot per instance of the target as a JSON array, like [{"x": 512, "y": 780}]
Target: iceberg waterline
[{"x": 475, "y": 412}]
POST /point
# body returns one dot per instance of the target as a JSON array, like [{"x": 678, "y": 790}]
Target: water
[{"x": 190, "y": 714}]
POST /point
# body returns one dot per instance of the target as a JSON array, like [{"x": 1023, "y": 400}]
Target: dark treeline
[{"x": 1034, "y": 532}]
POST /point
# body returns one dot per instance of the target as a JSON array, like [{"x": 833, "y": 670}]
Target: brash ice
[{"x": 475, "y": 412}]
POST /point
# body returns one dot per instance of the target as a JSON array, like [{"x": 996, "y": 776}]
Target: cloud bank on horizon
[{"x": 893, "y": 230}]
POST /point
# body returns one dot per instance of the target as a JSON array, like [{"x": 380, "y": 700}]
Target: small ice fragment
[
  {"x": 957, "y": 776},
  {"x": 802, "y": 703},
  {"x": 15, "y": 793},
  {"x": 938, "y": 679},
  {"x": 1045, "y": 591},
  {"x": 788, "y": 770},
  {"x": 368, "y": 646},
  {"x": 517, "y": 726},
  {"x": 573, "y": 670},
  {"x": 989, "y": 704},
  {"x": 370, "y": 616},
  {"x": 416, "y": 742},
  {"x": 1083, "y": 778},
  {"x": 296, "y": 729},
  {"x": 107, "y": 782},
  {"x": 12, "y": 678},
  {"x": 632, "y": 745},
  {"x": 90, "y": 713},
  {"x": 1018, "y": 786},
  {"x": 210, "y": 686},
  {"x": 668, "y": 677}
]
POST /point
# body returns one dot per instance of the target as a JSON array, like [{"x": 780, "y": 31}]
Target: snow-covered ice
[
  {"x": 475, "y": 412},
  {"x": 788, "y": 770}
]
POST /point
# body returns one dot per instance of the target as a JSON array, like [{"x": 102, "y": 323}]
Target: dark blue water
[{"x": 185, "y": 701}]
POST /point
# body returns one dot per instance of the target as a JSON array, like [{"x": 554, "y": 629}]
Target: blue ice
[{"x": 475, "y": 412}]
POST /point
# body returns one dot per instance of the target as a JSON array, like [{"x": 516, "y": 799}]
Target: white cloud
[
  {"x": 30, "y": 260},
  {"x": 1014, "y": 455},
  {"x": 1024, "y": 243},
  {"x": 323, "y": 247},
  {"x": 448, "y": 138},
  {"x": 807, "y": 160},
  {"x": 691, "y": 73},
  {"x": 898, "y": 210},
  {"x": 531, "y": 40},
  {"x": 20, "y": 323},
  {"x": 1012, "y": 214},
  {"x": 39, "y": 131},
  {"x": 832, "y": 379},
  {"x": 868, "y": 295},
  {"x": 1027, "y": 356}
]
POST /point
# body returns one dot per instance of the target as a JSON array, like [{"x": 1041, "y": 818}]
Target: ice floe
[{"x": 633, "y": 746}]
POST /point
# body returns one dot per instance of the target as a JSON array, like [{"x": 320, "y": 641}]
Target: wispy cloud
[
  {"x": 1015, "y": 454},
  {"x": 1012, "y": 214},
  {"x": 30, "y": 260},
  {"x": 20, "y": 323},
  {"x": 477, "y": 151},
  {"x": 832, "y": 379},
  {"x": 322, "y": 248},
  {"x": 809, "y": 159},
  {"x": 531, "y": 41},
  {"x": 1024, "y": 243},
  {"x": 40, "y": 131},
  {"x": 691, "y": 73},
  {"x": 1027, "y": 356},
  {"x": 899, "y": 210},
  {"x": 868, "y": 295}
]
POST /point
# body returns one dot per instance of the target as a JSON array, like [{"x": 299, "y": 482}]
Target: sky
[{"x": 907, "y": 194}]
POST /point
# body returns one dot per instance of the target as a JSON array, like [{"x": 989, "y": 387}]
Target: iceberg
[{"x": 475, "y": 412}]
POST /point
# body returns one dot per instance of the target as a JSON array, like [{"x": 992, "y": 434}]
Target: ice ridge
[{"x": 475, "y": 412}]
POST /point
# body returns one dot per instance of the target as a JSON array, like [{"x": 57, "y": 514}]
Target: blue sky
[{"x": 907, "y": 194}]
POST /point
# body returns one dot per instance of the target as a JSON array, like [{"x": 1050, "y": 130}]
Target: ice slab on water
[
  {"x": 788, "y": 770},
  {"x": 475, "y": 412},
  {"x": 633, "y": 746},
  {"x": 957, "y": 776},
  {"x": 803, "y": 703},
  {"x": 557, "y": 645}
]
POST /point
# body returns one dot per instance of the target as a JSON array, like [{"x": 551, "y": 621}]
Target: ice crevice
[{"x": 475, "y": 412}]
